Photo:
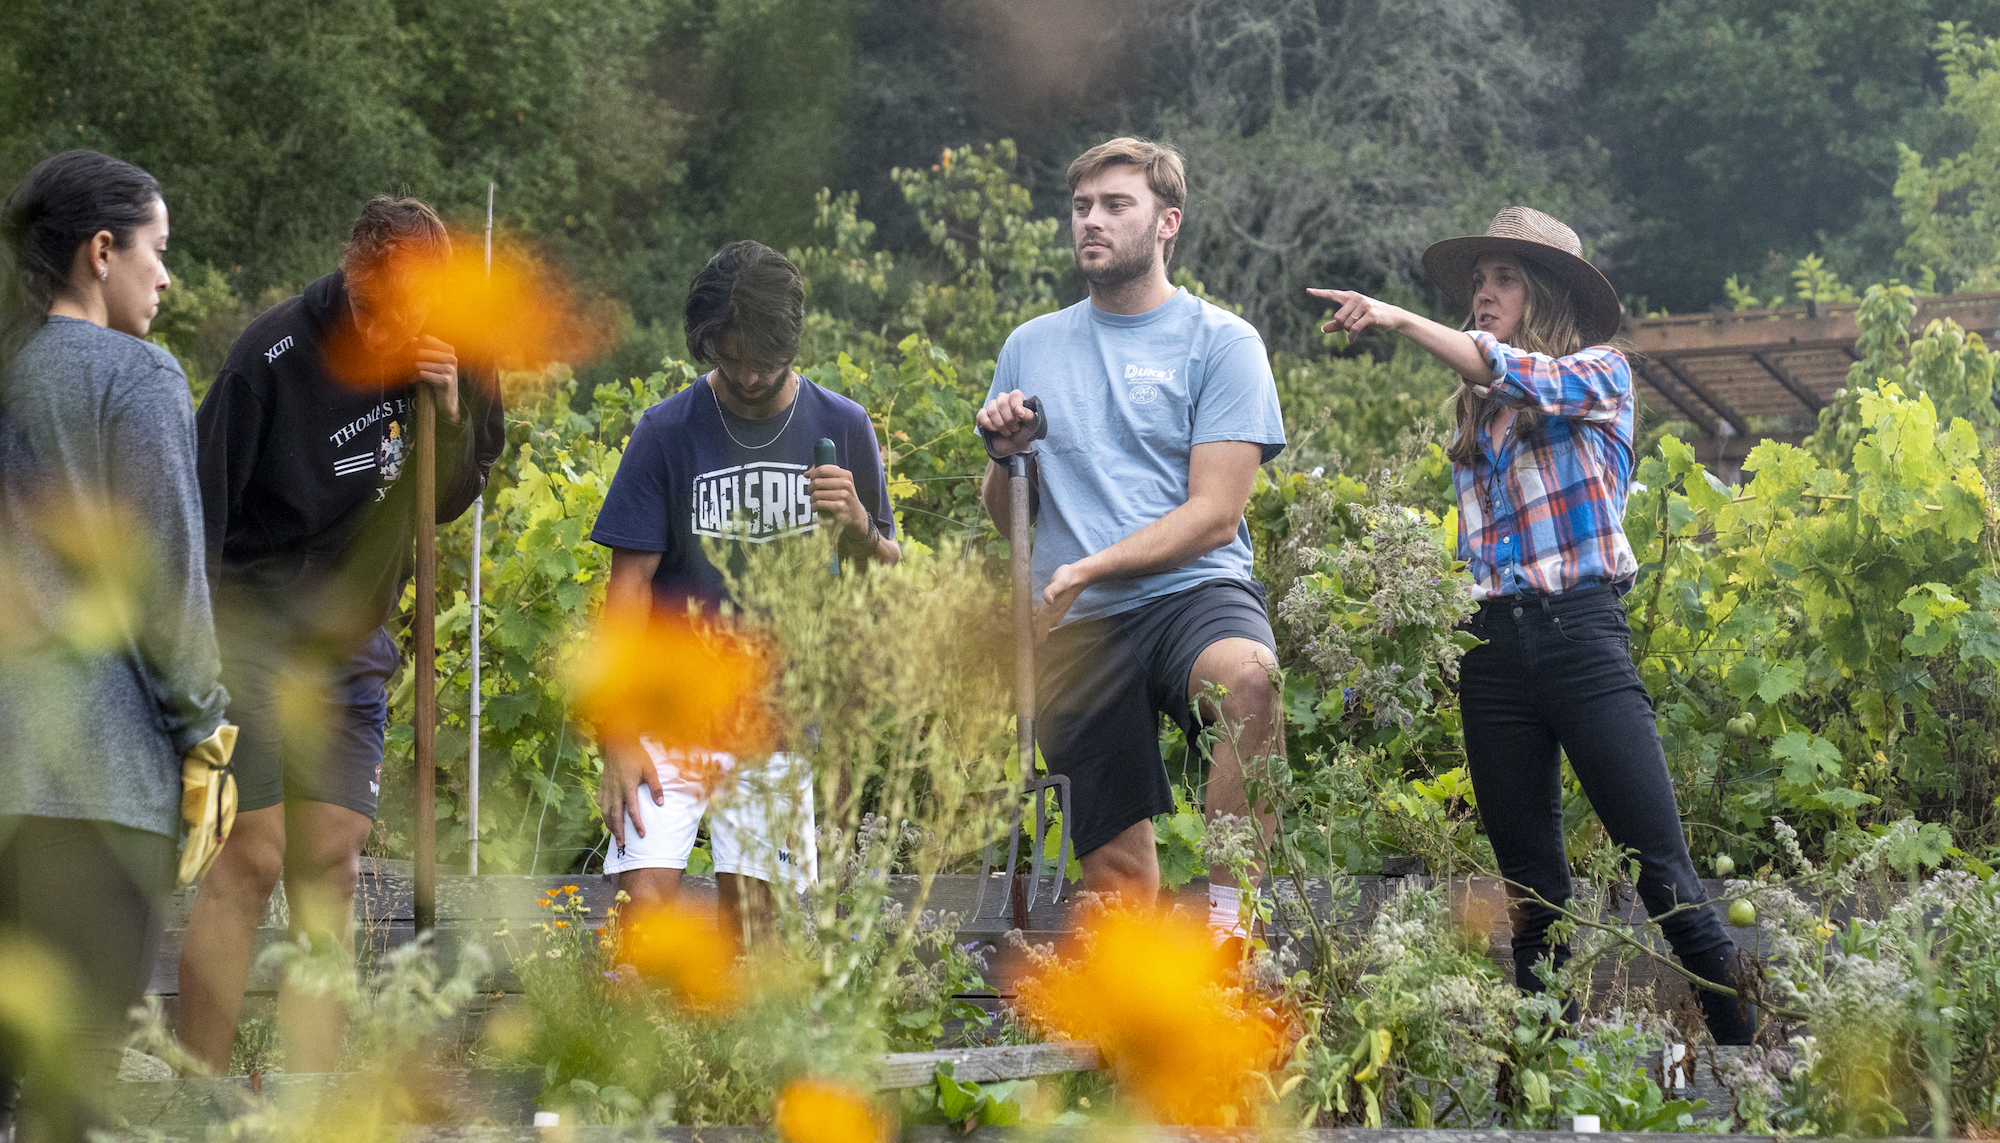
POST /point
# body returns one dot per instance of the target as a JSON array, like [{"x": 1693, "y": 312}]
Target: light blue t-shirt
[{"x": 1128, "y": 397}]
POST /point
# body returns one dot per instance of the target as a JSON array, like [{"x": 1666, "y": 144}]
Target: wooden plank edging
[{"x": 988, "y": 1065}]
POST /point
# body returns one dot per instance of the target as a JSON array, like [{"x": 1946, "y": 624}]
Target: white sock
[{"x": 1225, "y": 917}]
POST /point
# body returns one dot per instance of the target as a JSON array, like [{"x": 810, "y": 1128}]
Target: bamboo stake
[
  {"x": 478, "y": 557},
  {"x": 425, "y": 668}
]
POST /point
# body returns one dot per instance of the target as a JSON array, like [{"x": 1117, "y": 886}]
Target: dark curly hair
[
  {"x": 388, "y": 227},
  {"x": 752, "y": 292}
]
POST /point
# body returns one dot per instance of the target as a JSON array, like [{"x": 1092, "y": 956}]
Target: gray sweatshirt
[{"x": 107, "y": 648}]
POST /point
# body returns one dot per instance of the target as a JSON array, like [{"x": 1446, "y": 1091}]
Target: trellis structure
[{"x": 1763, "y": 374}]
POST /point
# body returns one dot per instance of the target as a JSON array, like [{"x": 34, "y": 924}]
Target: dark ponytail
[{"x": 61, "y": 204}]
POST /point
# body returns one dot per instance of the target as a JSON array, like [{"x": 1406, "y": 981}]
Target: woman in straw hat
[{"x": 1541, "y": 461}]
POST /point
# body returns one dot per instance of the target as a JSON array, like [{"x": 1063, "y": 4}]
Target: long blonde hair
[{"x": 1548, "y": 325}]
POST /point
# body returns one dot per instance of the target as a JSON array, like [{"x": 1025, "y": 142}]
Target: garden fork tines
[{"x": 1033, "y": 789}]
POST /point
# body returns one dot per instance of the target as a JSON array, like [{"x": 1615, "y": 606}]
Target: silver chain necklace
[{"x": 723, "y": 415}]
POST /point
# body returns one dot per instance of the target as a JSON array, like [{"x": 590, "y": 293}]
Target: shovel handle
[
  {"x": 1021, "y": 545},
  {"x": 1034, "y": 405}
]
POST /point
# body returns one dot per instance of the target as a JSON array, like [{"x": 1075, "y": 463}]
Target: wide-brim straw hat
[{"x": 1529, "y": 234}]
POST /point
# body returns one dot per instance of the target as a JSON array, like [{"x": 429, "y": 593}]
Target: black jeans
[
  {"x": 1553, "y": 677},
  {"x": 89, "y": 894}
]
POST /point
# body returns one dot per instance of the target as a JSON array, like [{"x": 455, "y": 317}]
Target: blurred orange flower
[
  {"x": 684, "y": 950},
  {"x": 824, "y": 1111},
  {"x": 523, "y": 314},
  {"x": 683, "y": 684},
  {"x": 1157, "y": 999}
]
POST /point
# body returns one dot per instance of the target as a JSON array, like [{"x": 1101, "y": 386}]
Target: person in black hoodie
[{"x": 304, "y": 442}]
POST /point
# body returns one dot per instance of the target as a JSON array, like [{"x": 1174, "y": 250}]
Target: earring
[{"x": 104, "y": 275}]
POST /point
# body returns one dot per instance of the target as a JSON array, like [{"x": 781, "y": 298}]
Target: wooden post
[{"x": 425, "y": 668}]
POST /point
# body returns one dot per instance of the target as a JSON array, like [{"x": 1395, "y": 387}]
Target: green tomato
[
  {"x": 1742, "y": 914},
  {"x": 1725, "y": 865}
]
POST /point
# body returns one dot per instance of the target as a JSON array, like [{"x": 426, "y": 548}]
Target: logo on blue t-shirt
[
  {"x": 758, "y": 502},
  {"x": 1143, "y": 389}
]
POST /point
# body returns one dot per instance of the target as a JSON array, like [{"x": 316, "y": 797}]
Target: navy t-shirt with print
[{"x": 694, "y": 470}]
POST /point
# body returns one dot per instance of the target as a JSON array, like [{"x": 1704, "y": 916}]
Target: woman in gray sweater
[{"x": 107, "y": 650}]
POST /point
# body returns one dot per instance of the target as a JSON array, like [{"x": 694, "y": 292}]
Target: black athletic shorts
[
  {"x": 309, "y": 732},
  {"x": 1102, "y": 684}
]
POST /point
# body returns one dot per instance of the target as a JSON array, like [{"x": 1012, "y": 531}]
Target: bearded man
[{"x": 1161, "y": 407}]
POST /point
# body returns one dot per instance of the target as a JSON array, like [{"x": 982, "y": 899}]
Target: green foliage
[
  {"x": 1369, "y": 599},
  {"x": 916, "y": 349},
  {"x": 200, "y": 315},
  {"x": 1608, "y": 1079},
  {"x": 1413, "y": 1027},
  {"x": 1179, "y": 838},
  {"x": 967, "y": 1105},
  {"x": 1742, "y": 297},
  {"x": 1356, "y": 413},
  {"x": 1378, "y": 616},
  {"x": 1815, "y": 283},
  {"x": 1951, "y": 208},
  {"x": 897, "y": 670},
  {"x": 1812, "y": 282},
  {"x": 1898, "y": 1001},
  {"x": 1329, "y": 144},
  {"x": 932, "y": 455},
  {"x": 269, "y": 123},
  {"x": 538, "y": 810},
  {"x": 1002, "y": 263},
  {"x": 1752, "y": 132},
  {"x": 1832, "y": 607}
]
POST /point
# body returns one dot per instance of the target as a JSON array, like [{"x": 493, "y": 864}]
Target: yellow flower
[
  {"x": 543, "y": 903},
  {"x": 569, "y": 890},
  {"x": 562, "y": 924},
  {"x": 1156, "y": 997},
  {"x": 686, "y": 951},
  {"x": 824, "y": 1111}
]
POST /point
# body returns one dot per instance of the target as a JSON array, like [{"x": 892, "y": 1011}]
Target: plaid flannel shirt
[{"x": 1546, "y": 514}]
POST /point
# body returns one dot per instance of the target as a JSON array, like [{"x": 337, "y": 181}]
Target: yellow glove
[{"x": 208, "y": 802}]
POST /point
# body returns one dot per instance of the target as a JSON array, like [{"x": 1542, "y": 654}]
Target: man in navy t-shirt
[{"x": 729, "y": 457}]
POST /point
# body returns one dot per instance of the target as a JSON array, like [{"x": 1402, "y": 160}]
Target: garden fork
[{"x": 1034, "y": 790}]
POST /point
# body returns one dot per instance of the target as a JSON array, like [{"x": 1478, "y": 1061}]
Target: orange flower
[
  {"x": 682, "y": 684},
  {"x": 684, "y": 950},
  {"x": 569, "y": 890},
  {"x": 562, "y": 924},
  {"x": 1156, "y": 997},
  {"x": 522, "y": 314},
  {"x": 824, "y": 1111}
]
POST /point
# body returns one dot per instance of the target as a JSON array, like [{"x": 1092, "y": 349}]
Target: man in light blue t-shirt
[{"x": 1161, "y": 407}]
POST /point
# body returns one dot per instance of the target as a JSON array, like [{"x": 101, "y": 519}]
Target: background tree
[{"x": 1748, "y": 133}]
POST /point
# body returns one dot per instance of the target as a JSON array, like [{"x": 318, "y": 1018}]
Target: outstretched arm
[
  {"x": 1220, "y": 477},
  {"x": 1455, "y": 348}
]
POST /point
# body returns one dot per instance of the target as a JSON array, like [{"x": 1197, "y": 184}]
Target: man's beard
[{"x": 1122, "y": 269}]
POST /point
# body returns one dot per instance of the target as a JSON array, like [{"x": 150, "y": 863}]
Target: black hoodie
[{"x": 307, "y": 493}]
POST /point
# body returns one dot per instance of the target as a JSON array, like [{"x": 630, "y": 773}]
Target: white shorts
[{"x": 760, "y": 819}]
